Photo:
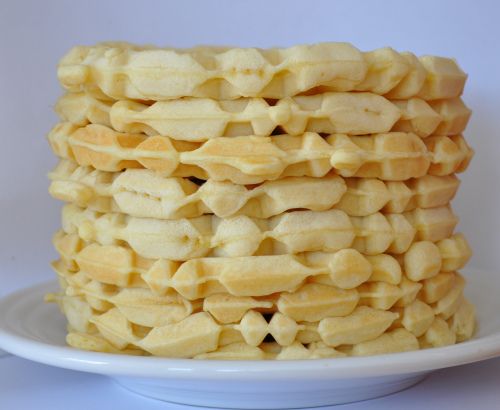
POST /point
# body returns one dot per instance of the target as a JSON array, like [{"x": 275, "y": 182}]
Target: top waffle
[{"x": 123, "y": 71}]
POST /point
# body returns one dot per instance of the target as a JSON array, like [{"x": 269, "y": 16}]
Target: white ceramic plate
[{"x": 36, "y": 331}]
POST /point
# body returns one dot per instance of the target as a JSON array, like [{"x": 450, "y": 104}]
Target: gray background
[{"x": 35, "y": 34}]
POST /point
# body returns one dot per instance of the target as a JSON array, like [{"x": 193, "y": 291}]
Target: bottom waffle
[
  {"x": 365, "y": 332},
  {"x": 351, "y": 323},
  {"x": 391, "y": 342}
]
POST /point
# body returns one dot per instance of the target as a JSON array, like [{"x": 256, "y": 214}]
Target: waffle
[
  {"x": 252, "y": 160},
  {"x": 400, "y": 340},
  {"x": 129, "y": 72},
  {"x": 310, "y": 302},
  {"x": 201, "y": 119},
  {"x": 192, "y": 119},
  {"x": 455, "y": 115},
  {"x": 359, "y": 333},
  {"x": 444, "y": 78},
  {"x": 253, "y": 276},
  {"x": 356, "y": 325},
  {"x": 250, "y": 204},
  {"x": 82, "y": 109},
  {"x": 144, "y": 193},
  {"x": 462, "y": 323},
  {"x": 290, "y": 232},
  {"x": 442, "y": 117}
]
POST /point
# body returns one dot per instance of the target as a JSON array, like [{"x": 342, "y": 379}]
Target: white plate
[{"x": 34, "y": 330}]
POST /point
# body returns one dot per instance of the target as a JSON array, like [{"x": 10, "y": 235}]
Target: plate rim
[{"x": 478, "y": 349}]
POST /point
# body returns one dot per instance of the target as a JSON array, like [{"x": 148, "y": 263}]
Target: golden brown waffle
[
  {"x": 253, "y": 276},
  {"x": 144, "y": 193},
  {"x": 195, "y": 119},
  {"x": 251, "y": 160},
  {"x": 129, "y": 72},
  {"x": 290, "y": 232}
]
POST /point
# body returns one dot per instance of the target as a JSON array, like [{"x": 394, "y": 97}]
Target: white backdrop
[{"x": 35, "y": 34}]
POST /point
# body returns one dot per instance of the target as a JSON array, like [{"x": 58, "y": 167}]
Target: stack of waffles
[{"x": 260, "y": 204}]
